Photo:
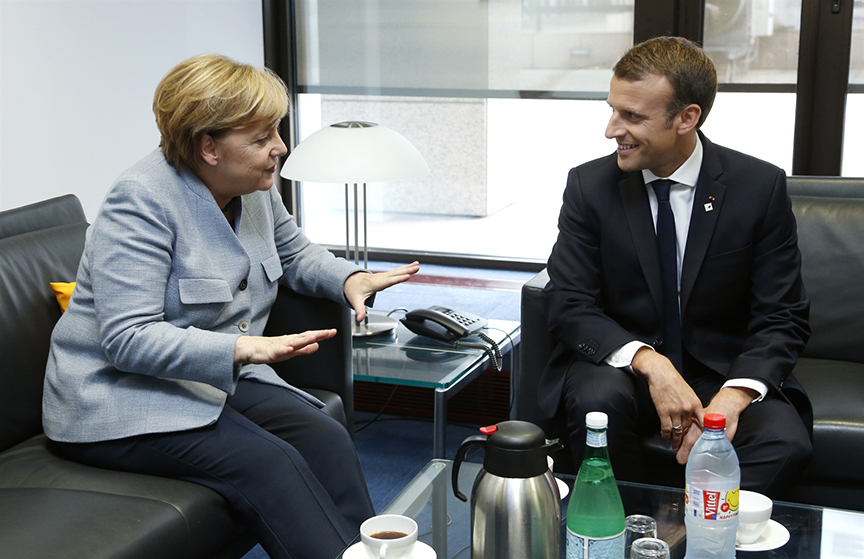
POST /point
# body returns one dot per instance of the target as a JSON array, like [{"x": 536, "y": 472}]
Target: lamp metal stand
[{"x": 374, "y": 325}]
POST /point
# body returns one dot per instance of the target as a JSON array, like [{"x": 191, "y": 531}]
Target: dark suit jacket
[{"x": 744, "y": 307}]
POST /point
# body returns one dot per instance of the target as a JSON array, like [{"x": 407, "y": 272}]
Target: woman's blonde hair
[{"x": 210, "y": 94}]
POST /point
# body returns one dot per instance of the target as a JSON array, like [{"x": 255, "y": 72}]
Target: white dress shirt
[{"x": 681, "y": 199}]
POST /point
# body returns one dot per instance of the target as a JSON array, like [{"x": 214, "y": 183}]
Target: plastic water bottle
[
  {"x": 595, "y": 514},
  {"x": 711, "y": 493}
]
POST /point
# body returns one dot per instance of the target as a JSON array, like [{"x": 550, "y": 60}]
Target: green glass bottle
[{"x": 595, "y": 514}]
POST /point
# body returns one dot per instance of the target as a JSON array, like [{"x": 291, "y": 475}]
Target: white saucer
[
  {"x": 563, "y": 488},
  {"x": 421, "y": 551},
  {"x": 774, "y": 536}
]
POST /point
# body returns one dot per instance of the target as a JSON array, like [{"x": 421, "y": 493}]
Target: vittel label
[
  {"x": 710, "y": 505},
  {"x": 596, "y": 438},
  {"x": 583, "y": 547}
]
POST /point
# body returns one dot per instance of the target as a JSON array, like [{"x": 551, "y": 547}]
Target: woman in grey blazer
[{"x": 159, "y": 365}]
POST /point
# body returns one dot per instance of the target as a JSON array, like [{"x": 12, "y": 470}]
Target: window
[
  {"x": 502, "y": 99},
  {"x": 853, "y": 144},
  {"x": 754, "y": 44}
]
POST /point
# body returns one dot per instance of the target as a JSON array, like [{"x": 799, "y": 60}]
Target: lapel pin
[{"x": 709, "y": 206}]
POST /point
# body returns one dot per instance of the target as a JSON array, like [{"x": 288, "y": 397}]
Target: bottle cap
[
  {"x": 596, "y": 420},
  {"x": 714, "y": 421}
]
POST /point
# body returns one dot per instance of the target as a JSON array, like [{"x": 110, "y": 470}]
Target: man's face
[{"x": 646, "y": 139}]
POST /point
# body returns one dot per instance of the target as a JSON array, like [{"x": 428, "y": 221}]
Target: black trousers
[
  {"x": 290, "y": 469},
  {"x": 772, "y": 443}
]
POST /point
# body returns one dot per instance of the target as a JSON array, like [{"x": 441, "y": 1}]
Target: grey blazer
[{"x": 164, "y": 289}]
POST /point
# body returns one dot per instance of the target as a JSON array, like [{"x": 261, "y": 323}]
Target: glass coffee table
[
  {"x": 444, "y": 521},
  {"x": 405, "y": 358}
]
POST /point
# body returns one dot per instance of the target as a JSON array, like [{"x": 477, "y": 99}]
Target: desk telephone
[
  {"x": 451, "y": 326},
  {"x": 442, "y": 323}
]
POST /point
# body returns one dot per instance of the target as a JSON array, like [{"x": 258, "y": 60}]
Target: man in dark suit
[{"x": 663, "y": 316}]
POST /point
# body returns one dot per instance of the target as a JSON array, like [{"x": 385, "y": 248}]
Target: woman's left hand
[
  {"x": 360, "y": 286},
  {"x": 272, "y": 349}
]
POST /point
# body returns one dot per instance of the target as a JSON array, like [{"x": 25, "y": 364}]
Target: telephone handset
[{"x": 442, "y": 323}]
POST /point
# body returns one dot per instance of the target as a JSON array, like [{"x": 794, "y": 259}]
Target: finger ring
[{"x": 677, "y": 427}]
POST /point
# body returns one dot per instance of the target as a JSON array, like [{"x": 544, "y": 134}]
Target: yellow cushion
[{"x": 63, "y": 291}]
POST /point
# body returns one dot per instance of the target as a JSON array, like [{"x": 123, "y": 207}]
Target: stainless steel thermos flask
[{"x": 515, "y": 504}]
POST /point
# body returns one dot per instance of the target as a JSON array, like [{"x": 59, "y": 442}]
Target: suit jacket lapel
[
  {"x": 638, "y": 211},
  {"x": 707, "y": 205}
]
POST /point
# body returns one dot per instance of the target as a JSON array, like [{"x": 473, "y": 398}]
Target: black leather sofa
[
  {"x": 830, "y": 215},
  {"x": 52, "y": 508}
]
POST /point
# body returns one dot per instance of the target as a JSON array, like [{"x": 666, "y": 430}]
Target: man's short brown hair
[
  {"x": 688, "y": 68},
  {"x": 210, "y": 94}
]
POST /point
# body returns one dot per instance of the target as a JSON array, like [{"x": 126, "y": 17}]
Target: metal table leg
[{"x": 439, "y": 434}]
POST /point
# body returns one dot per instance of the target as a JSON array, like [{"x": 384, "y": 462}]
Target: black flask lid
[{"x": 516, "y": 449}]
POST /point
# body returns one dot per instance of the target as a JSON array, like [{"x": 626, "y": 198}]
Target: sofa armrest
[
  {"x": 331, "y": 367},
  {"x": 825, "y": 187},
  {"x": 63, "y": 210},
  {"x": 535, "y": 349}
]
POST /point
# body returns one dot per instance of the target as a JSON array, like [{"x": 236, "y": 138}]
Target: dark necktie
[{"x": 667, "y": 245}]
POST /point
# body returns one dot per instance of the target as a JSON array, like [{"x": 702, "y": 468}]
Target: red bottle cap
[
  {"x": 714, "y": 421},
  {"x": 488, "y": 430}
]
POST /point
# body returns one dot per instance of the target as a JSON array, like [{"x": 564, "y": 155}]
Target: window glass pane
[
  {"x": 444, "y": 47},
  {"x": 856, "y": 60},
  {"x": 733, "y": 119},
  {"x": 526, "y": 149},
  {"x": 754, "y": 41},
  {"x": 451, "y": 76},
  {"x": 853, "y": 142}
]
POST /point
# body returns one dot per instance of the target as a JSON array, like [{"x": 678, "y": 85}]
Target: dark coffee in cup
[{"x": 388, "y": 535}]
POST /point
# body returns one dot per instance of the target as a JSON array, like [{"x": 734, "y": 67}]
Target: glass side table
[{"x": 404, "y": 358}]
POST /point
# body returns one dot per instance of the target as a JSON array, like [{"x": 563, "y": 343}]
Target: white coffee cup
[
  {"x": 754, "y": 512},
  {"x": 388, "y": 536}
]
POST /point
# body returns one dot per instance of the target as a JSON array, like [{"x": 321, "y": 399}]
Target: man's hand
[
  {"x": 729, "y": 402},
  {"x": 676, "y": 403},
  {"x": 360, "y": 286},
  {"x": 271, "y": 349}
]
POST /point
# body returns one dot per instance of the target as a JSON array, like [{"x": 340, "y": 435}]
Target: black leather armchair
[
  {"x": 830, "y": 215},
  {"x": 50, "y": 507}
]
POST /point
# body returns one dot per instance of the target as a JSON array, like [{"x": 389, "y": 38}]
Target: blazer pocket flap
[
  {"x": 199, "y": 291},
  {"x": 273, "y": 267}
]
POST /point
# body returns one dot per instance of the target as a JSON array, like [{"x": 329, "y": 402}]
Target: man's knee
[{"x": 604, "y": 388}]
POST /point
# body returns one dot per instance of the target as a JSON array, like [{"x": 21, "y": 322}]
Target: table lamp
[{"x": 356, "y": 152}]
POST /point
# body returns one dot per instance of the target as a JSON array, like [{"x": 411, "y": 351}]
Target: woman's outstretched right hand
[{"x": 271, "y": 349}]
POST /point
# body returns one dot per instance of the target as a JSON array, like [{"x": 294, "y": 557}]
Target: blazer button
[
  {"x": 243, "y": 285},
  {"x": 244, "y": 326},
  {"x": 657, "y": 343}
]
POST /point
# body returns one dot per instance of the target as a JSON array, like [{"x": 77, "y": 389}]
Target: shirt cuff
[
  {"x": 623, "y": 356},
  {"x": 750, "y": 383}
]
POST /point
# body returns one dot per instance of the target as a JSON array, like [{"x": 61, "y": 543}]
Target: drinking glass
[
  {"x": 638, "y": 526},
  {"x": 649, "y": 548}
]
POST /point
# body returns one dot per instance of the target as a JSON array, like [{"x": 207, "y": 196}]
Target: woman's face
[{"x": 247, "y": 157}]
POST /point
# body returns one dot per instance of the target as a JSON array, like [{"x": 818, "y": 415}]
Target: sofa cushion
[
  {"x": 28, "y": 312},
  {"x": 124, "y": 527},
  {"x": 830, "y": 233},
  {"x": 207, "y": 519},
  {"x": 836, "y": 389}
]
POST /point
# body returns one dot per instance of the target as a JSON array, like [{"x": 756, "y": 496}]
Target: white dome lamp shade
[{"x": 356, "y": 152}]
